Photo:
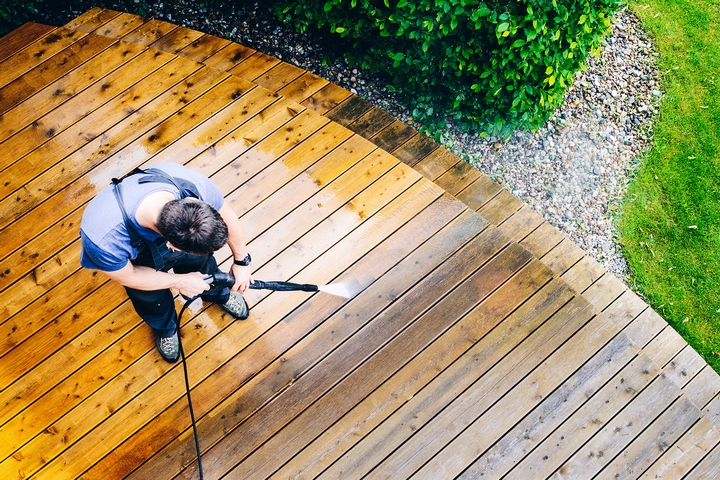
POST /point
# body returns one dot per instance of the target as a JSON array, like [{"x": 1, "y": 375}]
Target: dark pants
[{"x": 157, "y": 307}]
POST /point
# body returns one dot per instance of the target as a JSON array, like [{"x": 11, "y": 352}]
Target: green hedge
[
  {"x": 14, "y": 13},
  {"x": 496, "y": 65}
]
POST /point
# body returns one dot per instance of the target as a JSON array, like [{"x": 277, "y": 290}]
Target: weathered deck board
[
  {"x": 688, "y": 451},
  {"x": 403, "y": 386},
  {"x": 474, "y": 344},
  {"x": 326, "y": 98}
]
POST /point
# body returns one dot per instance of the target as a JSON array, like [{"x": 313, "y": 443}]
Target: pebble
[{"x": 573, "y": 170}]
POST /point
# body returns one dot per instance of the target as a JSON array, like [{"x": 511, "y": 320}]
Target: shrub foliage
[
  {"x": 14, "y": 13},
  {"x": 496, "y": 64}
]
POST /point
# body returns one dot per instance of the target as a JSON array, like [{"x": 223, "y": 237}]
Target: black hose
[{"x": 187, "y": 385}]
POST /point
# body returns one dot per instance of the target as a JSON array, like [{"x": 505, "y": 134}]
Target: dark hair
[{"x": 192, "y": 226}]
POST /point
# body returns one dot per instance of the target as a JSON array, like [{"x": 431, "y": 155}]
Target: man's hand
[
  {"x": 146, "y": 278},
  {"x": 242, "y": 278},
  {"x": 191, "y": 284}
]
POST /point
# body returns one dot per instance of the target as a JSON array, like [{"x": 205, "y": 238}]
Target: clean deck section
[{"x": 478, "y": 341}]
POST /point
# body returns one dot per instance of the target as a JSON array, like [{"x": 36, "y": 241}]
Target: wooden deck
[{"x": 479, "y": 342}]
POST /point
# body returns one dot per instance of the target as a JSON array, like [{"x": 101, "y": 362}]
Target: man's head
[{"x": 192, "y": 226}]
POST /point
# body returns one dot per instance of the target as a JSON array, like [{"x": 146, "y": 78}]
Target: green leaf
[
  {"x": 502, "y": 27},
  {"x": 518, "y": 43},
  {"x": 548, "y": 70},
  {"x": 339, "y": 29},
  {"x": 582, "y": 19},
  {"x": 482, "y": 11}
]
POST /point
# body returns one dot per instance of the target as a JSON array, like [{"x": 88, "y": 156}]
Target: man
[{"x": 166, "y": 217}]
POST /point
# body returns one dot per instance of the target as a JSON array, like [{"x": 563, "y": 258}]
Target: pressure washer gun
[{"x": 222, "y": 279}]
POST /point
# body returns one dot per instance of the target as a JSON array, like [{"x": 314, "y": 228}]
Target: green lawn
[{"x": 670, "y": 222}]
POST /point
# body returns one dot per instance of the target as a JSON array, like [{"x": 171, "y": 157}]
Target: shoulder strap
[
  {"x": 186, "y": 189},
  {"x": 135, "y": 239},
  {"x": 135, "y": 171},
  {"x": 155, "y": 175}
]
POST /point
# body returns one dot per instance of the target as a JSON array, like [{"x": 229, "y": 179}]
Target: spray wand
[{"x": 222, "y": 279}]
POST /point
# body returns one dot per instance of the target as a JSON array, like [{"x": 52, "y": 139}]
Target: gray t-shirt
[{"x": 105, "y": 240}]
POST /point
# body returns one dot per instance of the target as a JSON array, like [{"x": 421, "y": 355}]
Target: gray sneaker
[
  {"x": 169, "y": 347},
  {"x": 236, "y": 306}
]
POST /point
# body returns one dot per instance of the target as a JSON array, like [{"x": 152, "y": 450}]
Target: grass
[{"x": 670, "y": 221}]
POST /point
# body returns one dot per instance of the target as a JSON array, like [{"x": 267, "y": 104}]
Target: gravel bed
[{"x": 573, "y": 171}]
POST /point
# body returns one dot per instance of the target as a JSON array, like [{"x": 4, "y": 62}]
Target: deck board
[
  {"x": 176, "y": 40},
  {"x": 393, "y": 136},
  {"x": 37, "y": 53},
  {"x": 478, "y": 339},
  {"x": 21, "y": 37},
  {"x": 36, "y": 182},
  {"x": 415, "y": 376},
  {"x": 327, "y": 98},
  {"x": 203, "y": 47},
  {"x": 686, "y": 452},
  {"x": 50, "y": 70},
  {"x": 92, "y": 19},
  {"x": 149, "y": 32},
  {"x": 62, "y": 89},
  {"x": 73, "y": 117},
  {"x": 330, "y": 334},
  {"x": 120, "y": 25}
]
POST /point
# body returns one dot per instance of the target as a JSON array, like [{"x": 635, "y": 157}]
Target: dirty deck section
[{"x": 478, "y": 341}]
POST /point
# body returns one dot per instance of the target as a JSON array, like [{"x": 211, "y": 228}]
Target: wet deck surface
[{"x": 478, "y": 341}]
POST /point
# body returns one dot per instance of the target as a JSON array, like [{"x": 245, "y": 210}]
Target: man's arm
[
  {"x": 236, "y": 242},
  {"x": 146, "y": 278}
]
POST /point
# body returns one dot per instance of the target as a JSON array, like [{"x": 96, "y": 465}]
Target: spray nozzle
[{"x": 220, "y": 280}]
